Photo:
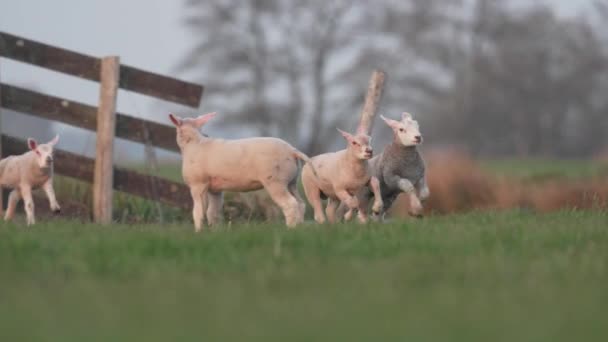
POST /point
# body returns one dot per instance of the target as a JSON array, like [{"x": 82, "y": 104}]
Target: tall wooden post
[
  {"x": 106, "y": 126},
  {"x": 372, "y": 99},
  {"x": 1, "y": 191}
]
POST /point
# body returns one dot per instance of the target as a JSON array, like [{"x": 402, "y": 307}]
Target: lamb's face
[
  {"x": 359, "y": 145},
  {"x": 43, "y": 152},
  {"x": 186, "y": 132},
  {"x": 188, "y": 129},
  {"x": 406, "y": 131}
]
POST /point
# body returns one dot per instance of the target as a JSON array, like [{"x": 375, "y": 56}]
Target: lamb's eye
[
  {"x": 401, "y": 130},
  {"x": 354, "y": 143}
]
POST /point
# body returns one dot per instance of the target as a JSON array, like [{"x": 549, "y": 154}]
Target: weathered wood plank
[
  {"x": 1, "y": 191},
  {"x": 162, "y": 87},
  {"x": 50, "y": 57},
  {"x": 372, "y": 100},
  {"x": 88, "y": 67},
  {"x": 131, "y": 182},
  {"x": 84, "y": 116}
]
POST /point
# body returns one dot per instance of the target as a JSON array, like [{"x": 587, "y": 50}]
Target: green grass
[
  {"x": 127, "y": 208},
  {"x": 539, "y": 170},
  {"x": 511, "y": 276}
]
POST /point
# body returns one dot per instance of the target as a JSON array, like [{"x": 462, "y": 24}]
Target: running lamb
[{"x": 399, "y": 168}]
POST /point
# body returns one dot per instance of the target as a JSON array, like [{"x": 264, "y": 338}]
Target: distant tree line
[{"x": 492, "y": 76}]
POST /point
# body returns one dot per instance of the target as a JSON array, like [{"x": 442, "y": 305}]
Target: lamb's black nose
[
  {"x": 369, "y": 150},
  {"x": 418, "y": 138},
  {"x": 49, "y": 159}
]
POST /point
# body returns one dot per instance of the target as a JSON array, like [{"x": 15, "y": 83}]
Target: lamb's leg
[
  {"x": 378, "y": 206},
  {"x": 313, "y": 194},
  {"x": 352, "y": 202},
  {"x": 214, "y": 207},
  {"x": 26, "y": 192},
  {"x": 199, "y": 197},
  {"x": 415, "y": 205},
  {"x": 423, "y": 189},
  {"x": 349, "y": 215},
  {"x": 330, "y": 210},
  {"x": 405, "y": 185},
  {"x": 341, "y": 211},
  {"x": 408, "y": 188},
  {"x": 293, "y": 190},
  {"x": 50, "y": 193},
  {"x": 286, "y": 201},
  {"x": 13, "y": 199}
]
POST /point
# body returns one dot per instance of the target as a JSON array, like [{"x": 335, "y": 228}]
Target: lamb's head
[
  {"x": 188, "y": 129},
  {"x": 406, "y": 131},
  {"x": 358, "y": 145},
  {"x": 43, "y": 152}
]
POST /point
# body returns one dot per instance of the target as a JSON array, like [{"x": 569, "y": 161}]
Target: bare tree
[
  {"x": 531, "y": 86},
  {"x": 286, "y": 68}
]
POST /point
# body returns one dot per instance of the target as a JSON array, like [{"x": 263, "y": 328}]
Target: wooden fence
[{"x": 103, "y": 119}]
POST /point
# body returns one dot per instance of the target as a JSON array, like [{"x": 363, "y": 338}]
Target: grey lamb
[{"x": 399, "y": 168}]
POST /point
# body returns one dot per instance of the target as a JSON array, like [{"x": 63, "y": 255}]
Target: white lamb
[
  {"x": 211, "y": 166},
  {"x": 339, "y": 177},
  {"x": 27, "y": 172}
]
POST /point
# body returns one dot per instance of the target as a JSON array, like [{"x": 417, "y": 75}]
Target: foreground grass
[{"x": 482, "y": 276}]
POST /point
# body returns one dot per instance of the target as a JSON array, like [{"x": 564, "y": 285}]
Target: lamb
[
  {"x": 340, "y": 175},
  {"x": 399, "y": 168},
  {"x": 27, "y": 172},
  {"x": 211, "y": 166}
]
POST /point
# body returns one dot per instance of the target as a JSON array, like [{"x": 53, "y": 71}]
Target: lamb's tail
[{"x": 303, "y": 157}]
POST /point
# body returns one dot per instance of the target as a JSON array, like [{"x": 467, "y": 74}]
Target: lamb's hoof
[
  {"x": 57, "y": 211},
  {"x": 348, "y": 216},
  {"x": 376, "y": 216},
  {"x": 417, "y": 215}
]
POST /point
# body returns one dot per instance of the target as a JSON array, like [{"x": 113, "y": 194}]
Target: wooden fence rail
[
  {"x": 103, "y": 119},
  {"x": 84, "y": 116},
  {"x": 88, "y": 67}
]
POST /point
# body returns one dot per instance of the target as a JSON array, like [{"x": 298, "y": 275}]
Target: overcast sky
[
  {"x": 144, "y": 33},
  {"x": 152, "y": 39}
]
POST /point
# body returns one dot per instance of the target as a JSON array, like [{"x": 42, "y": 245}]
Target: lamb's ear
[
  {"x": 177, "y": 121},
  {"x": 54, "y": 141},
  {"x": 390, "y": 122},
  {"x": 346, "y": 135},
  {"x": 32, "y": 144},
  {"x": 203, "y": 119},
  {"x": 406, "y": 116}
]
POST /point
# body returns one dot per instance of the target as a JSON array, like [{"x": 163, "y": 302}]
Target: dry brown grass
[{"x": 458, "y": 184}]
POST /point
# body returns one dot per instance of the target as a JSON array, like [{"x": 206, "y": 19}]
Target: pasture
[{"x": 510, "y": 276}]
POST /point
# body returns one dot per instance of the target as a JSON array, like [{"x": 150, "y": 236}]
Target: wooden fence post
[
  {"x": 1, "y": 191},
  {"x": 106, "y": 126},
  {"x": 372, "y": 99}
]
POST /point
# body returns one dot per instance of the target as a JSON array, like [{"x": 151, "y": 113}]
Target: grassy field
[{"x": 510, "y": 276}]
